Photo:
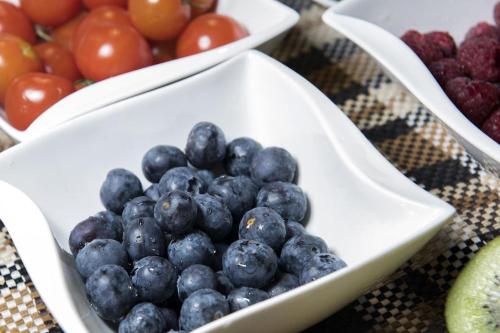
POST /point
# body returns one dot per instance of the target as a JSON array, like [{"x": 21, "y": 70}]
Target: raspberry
[
  {"x": 476, "y": 99},
  {"x": 496, "y": 14},
  {"x": 483, "y": 29},
  {"x": 444, "y": 41},
  {"x": 480, "y": 57},
  {"x": 492, "y": 126},
  {"x": 446, "y": 69},
  {"x": 426, "y": 50}
]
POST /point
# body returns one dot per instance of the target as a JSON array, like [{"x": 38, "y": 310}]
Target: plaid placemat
[{"x": 412, "y": 299}]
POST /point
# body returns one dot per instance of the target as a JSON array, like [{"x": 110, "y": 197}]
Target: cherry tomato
[
  {"x": 106, "y": 51},
  {"x": 14, "y": 21},
  {"x": 58, "y": 61},
  {"x": 50, "y": 13},
  {"x": 207, "y": 32},
  {"x": 16, "y": 58},
  {"x": 64, "y": 34},
  {"x": 96, "y": 3},
  {"x": 163, "y": 51},
  {"x": 31, "y": 94},
  {"x": 199, "y": 7},
  {"x": 159, "y": 19}
]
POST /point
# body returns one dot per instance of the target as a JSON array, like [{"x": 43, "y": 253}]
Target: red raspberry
[
  {"x": 446, "y": 69},
  {"x": 444, "y": 41},
  {"x": 496, "y": 14},
  {"x": 476, "y": 99},
  {"x": 492, "y": 126},
  {"x": 426, "y": 50},
  {"x": 480, "y": 57},
  {"x": 483, "y": 29}
]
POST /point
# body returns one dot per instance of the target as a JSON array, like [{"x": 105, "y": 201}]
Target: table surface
[{"x": 412, "y": 299}]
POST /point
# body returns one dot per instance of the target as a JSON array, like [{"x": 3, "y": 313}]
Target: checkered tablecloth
[{"x": 412, "y": 299}]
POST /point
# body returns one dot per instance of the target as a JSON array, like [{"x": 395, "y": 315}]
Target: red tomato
[
  {"x": 208, "y": 32},
  {"x": 163, "y": 51},
  {"x": 50, "y": 13},
  {"x": 58, "y": 61},
  {"x": 96, "y": 3},
  {"x": 31, "y": 94},
  {"x": 14, "y": 21},
  {"x": 199, "y": 7},
  {"x": 160, "y": 19},
  {"x": 64, "y": 34},
  {"x": 16, "y": 58},
  {"x": 106, "y": 51}
]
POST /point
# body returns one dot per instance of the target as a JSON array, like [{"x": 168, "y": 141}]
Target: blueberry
[
  {"x": 250, "y": 263},
  {"x": 294, "y": 229},
  {"x": 194, "y": 278},
  {"x": 144, "y": 317},
  {"x": 283, "y": 282},
  {"x": 239, "y": 155},
  {"x": 220, "y": 249},
  {"x": 154, "y": 279},
  {"x": 238, "y": 193},
  {"x": 214, "y": 217},
  {"x": 118, "y": 188},
  {"x": 110, "y": 292},
  {"x": 153, "y": 192},
  {"x": 183, "y": 179},
  {"x": 159, "y": 160},
  {"x": 287, "y": 199},
  {"x": 115, "y": 220},
  {"x": 321, "y": 264},
  {"x": 206, "y": 145},
  {"x": 138, "y": 207},
  {"x": 244, "y": 297},
  {"x": 224, "y": 285},
  {"x": 142, "y": 238},
  {"x": 264, "y": 225},
  {"x": 206, "y": 175},
  {"x": 176, "y": 212},
  {"x": 100, "y": 252},
  {"x": 273, "y": 164},
  {"x": 299, "y": 250},
  {"x": 193, "y": 248},
  {"x": 202, "y": 307},
  {"x": 170, "y": 318}
]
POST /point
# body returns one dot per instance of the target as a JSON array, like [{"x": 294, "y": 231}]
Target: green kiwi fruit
[{"x": 473, "y": 303}]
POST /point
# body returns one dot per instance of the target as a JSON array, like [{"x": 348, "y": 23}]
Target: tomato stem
[{"x": 43, "y": 34}]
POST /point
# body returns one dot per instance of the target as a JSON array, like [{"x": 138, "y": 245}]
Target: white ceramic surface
[
  {"x": 369, "y": 213},
  {"x": 376, "y": 26},
  {"x": 266, "y": 20}
]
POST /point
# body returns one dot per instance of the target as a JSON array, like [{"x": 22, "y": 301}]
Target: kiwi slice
[{"x": 473, "y": 304}]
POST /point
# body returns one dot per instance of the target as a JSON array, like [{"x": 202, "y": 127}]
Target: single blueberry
[
  {"x": 294, "y": 229},
  {"x": 115, "y": 220},
  {"x": 118, "y": 188},
  {"x": 183, "y": 179},
  {"x": 100, "y": 252},
  {"x": 202, "y": 307},
  {"x": 176, "y": 212},
  {"x": 273, "y": 164},
  {"x": 298, "y": 251},
  {"x": 136, "y": 208},
  {"x": 282, "y": 283},
  {"x": 170, "y": 318},
  {"x": 206, "y": 175},
  {"x": 244, "y": 297},
  {"x": 264, "y": 225},
  {"x": 154, "y": 279},
  {"x": 321, "y": 264},
  {"x": 159, "y": 160},
  {"x": 143, "y": 237},
  {"x": 193, "y": 248},
  {"x": 238, "y": 193},
  {"x": 153, "y": 192},
  {"x": 214, "y": 217},
  {"x": 206, "y": 145},
  {"x": 144, "y": 317},
  {"x": 194, "y": 278},
  {"x": 250, "y": 263},
  {"x": 224, "y": 285},
  {"x": 239, "y": 155},
  {"x": 220, "y": 249},
  {"x": 285, "y": 198},
  {"x": 110, "y": 292}
]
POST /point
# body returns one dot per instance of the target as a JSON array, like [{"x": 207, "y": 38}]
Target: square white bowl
[
  {"x": 376, "y": 27},
  {"x": 266, "y": 20},
  {"x": 368, "y": 212}
]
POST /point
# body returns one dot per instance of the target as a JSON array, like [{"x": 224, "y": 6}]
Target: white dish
[
  {"x": 376, "y": 26},
  {"x": 266, "y": 20},
  {"x": 369, "y": 213}
]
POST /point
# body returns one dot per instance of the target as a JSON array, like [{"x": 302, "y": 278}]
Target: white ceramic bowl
[
  {"x": 266, "y": 20},
  {"x": 376, "y": 27},
  {"x": 368, "y": 213}
]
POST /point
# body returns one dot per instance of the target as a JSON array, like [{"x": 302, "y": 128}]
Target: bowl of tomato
[{"x": 61, "y": 60}]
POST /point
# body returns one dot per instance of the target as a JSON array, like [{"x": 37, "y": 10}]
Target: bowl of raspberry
[{"x": 446, "y": 53}]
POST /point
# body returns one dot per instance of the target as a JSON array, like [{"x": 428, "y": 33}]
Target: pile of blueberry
[{"x": 194, "y": 247}]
